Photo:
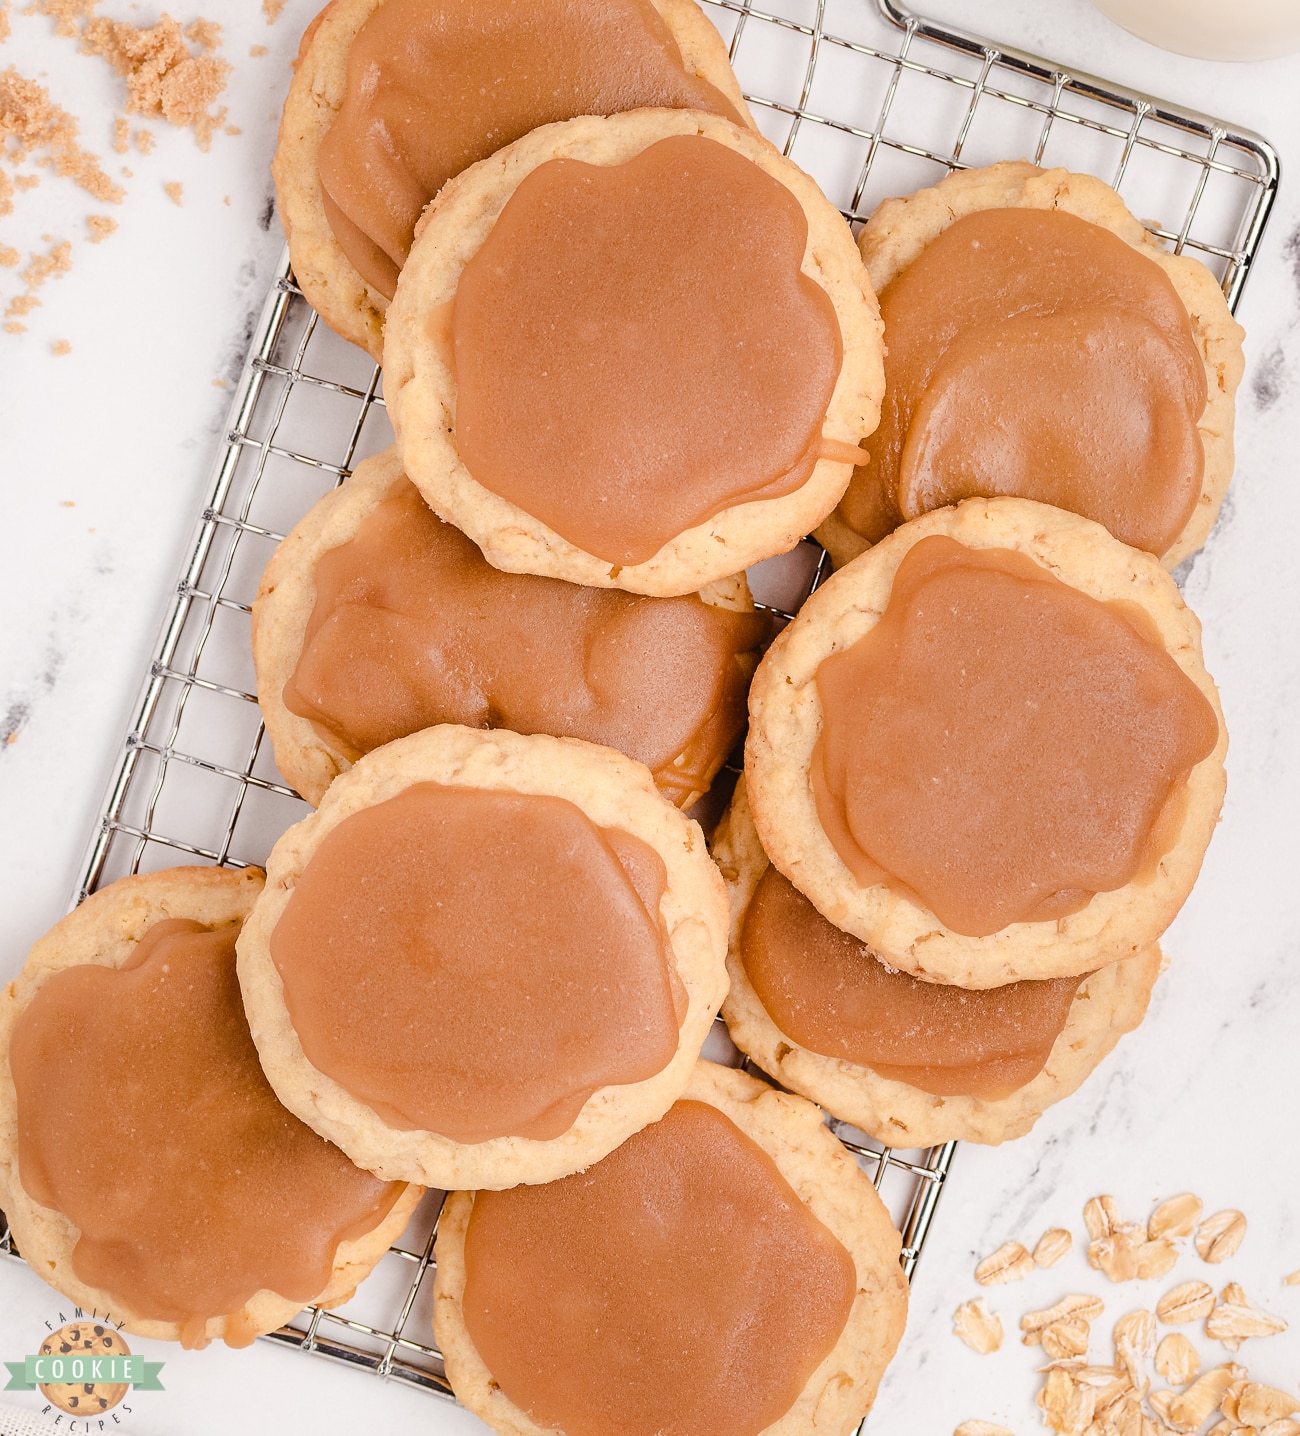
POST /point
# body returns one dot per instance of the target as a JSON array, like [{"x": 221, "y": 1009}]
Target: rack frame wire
[{"x": 196, "y": 725}]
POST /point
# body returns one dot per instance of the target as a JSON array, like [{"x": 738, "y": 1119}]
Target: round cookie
[
  {"x": 307, "y": 757},
  {"x": 326, "y": 276},
  {"x": 1112, "y": 1001},
  {"x": 901, "y": 228},
  {"x": 86, "y": 1339},
  {"x": 823, "y": 1175},
  {"x": 786, "y": 722},
  {"x": 104, "y": 932},
  {"x": 613, "y": 792},
  {"x": 421, "y": 389}
]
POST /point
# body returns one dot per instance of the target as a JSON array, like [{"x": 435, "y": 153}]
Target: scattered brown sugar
[
  {"x": 9, "y": 256},
  {"x": 121, "y": 135},
  {"x": 13, "y": 327},
  {"x": 175, "y": 189},
  {"x": 40, "y": 268},
  {"x": 164, "y": 79},
  {"x": 271, "y": 9},
  {"x": 68, "y": 15},
  {"x": 256, "y": 51},
  {"x": 206, "y": 34},
  {"x": 61, "y": 346},
  {"x": 31, "y": 124},
  {"x": 4, "y": 20},
  {"x": 26, "y": 182},
  {"x": 145, "y": 141}
]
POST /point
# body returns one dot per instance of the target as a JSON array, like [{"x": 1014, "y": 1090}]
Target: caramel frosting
[
  {"x": 1000, "y": 746},
  {"x": 434, "y": 87},
  {"x": 827, "y": 991},
  {"x": 144, "y": 1117},
  {"x": 675, "y": 1287},
  {"x": 412, "y": 627},
  {"x": 478, "y": 963},
  {"x": 631, "y": 361},
  {"x": 1033, "y": 354}
]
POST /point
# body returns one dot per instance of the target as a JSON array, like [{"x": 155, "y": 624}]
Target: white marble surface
[{"x": 106, "y": 453}]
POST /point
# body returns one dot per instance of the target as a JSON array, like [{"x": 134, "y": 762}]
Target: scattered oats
[
  {"x": 145, "y": 141},
  {"x": 1011, "y": 1262},
  {"x": 1156, "y": 1259},
  {"x": 1134, "y": 1336},
  {"x": 1259, "y": 1405},
  {"x": 1230, "y": 1398},
  {"x": 1236, "y": 1320},
  {"x": 1292, "y": 1278},
  {"x": 1067, "y": 1407},
  {"x": 1230, "y": 1428},
  {"x": 1186, "y": 1303},
  {"x": 1100, "y": 1217},
  {"x": 174, "y": 189},
  {"x": 61, "y": 346},
  {"x": 1220, "y": 1235},
  {"x": 1161, "y": 1402},
  {"x": 1116, "y": 1257},
  {"x": 1189, "y": 1411},
  {"x": 1284, "y": 1427},
  {"x": 981, "y": 1428},
  {"x": 121, "y": 135},
  {"x": 1064, "y": 1340},
  {"x": 1052, "y": 1246},
  {"x": 256, "y": 51},
  {"x": 1175, "y": 1218},
  {"x": 1076, "y": 1306},
  {"x": 271, "y": 9},
  {"x": 163, "y": 79},
  {"x": 978, "y": 1327},
  {"x": 1177, "y": 1360},
  {"x": 100, "y": 226}
]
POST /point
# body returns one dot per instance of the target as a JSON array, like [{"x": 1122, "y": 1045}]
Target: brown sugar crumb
[
  {"x": 13, "y": 327},
  {"x": 9, "y": 256},
  {"x": 68, "y": 15},
  {"x": 121, "y": 135},
  {"x": 100, "y": 227},
  {"x": 26, "y": 182},
  {"x": 32, "y": 124},
  {"x": 163, "y": 78},
  {"x": 255, "y": 52},
  {"x": 233, "y": 130},
  {"x": 174, "y": 191},
  {"x": 271, "y": 9},
  {"x": 206, "y": 34},
  {"x": 22, "y": 304},
  {"x": 145, "y": 141},
  {"x": 61, "y": 346},
  {"x": 4, "y": 20}
]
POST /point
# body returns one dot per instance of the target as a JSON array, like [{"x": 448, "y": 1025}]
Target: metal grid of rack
[{"x": 873, "y": 101}]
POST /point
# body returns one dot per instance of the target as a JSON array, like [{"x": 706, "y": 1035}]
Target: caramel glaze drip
[
  {"x": 144, "y": 1117},
  {"x": 478, "y": 963},
  {"x": 412, "y": 627},
  {"x": 1037, "y": 355},
  {"x": 825, "y": 989},
  {"x": 679, "y": 1286},
  {"x": 631, "y": 360},
  {"x": 1001, "y": 747},
  {"x": 435, "y": 85}
]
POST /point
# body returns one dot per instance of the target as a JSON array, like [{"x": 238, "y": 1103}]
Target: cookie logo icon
[{"x": 79, "y": 1343}]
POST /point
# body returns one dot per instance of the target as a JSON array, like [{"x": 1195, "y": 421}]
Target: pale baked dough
[
  {"x": 614, "y": 792},
  {"x": 103, "y": 932},
  {"x": 420, "y": 388},
  {"x": 306, "y": 757},
  {"x": 901, "y": 228},
  {"x": 1111, "y": 1002},
  {"x": 786, "y": 720},
  {"x": 349, "y": 305},
  {"x": 824, "y": 1176}
]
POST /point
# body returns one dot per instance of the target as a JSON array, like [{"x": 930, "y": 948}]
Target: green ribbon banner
[{"x": 34, "y": 1371}]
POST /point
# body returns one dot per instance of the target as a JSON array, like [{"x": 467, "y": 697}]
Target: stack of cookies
[{"x": 630, "y": 350}]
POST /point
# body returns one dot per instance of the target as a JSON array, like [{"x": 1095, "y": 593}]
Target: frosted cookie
[
  {"x": 391, "y": 98},
  {"x": 729, "y": 1269},
  {"x": 600, "y": 374},
  {"x": 376, "y": 619},
  {"x": 146, "y": 1168},
  {"x": 487, "y": 958},
  {"x": 989, "y": 748},
  {"x": 1042, "y": 344},
  {"x": 912, "y": 1063}
]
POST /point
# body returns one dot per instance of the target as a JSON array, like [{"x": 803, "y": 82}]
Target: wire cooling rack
[{"x": 870, "y": 99}]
